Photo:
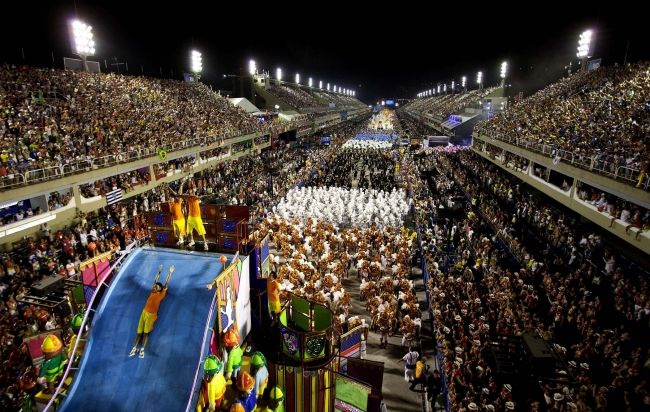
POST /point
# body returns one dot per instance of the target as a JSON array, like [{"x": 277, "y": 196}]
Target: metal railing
[
  {"x": 592, "y": 163},
  {"x": 133, "y": 154},
  {"x": 130, "y": 155},
  {"x": 207, "y": 333},
  {"x": 86, "y": 319}
]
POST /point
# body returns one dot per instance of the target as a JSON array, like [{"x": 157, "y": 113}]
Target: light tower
[
  {"x": 584, "y": 47},
  {"x": 504, "y": 72},
  {"x": 84, "y": 44},
  {"x": 197, "y": 64}
]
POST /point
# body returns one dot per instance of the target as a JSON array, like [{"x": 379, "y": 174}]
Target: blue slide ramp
[{"x": 107, "y": 379}]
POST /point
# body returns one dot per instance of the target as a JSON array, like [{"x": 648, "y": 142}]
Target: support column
[{"x": 77, "y": 196}]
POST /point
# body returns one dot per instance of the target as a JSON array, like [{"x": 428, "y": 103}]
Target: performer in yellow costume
[
  {"x": 213, "y": 386},
  {"x": 178, "y": 219}
]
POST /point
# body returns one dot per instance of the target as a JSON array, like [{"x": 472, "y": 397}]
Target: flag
[
  {"x": 351, "y": 345},
  {"x": 113, "y": 196}
]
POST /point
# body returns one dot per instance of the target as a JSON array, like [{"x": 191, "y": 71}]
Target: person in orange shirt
[
  {"x": 273, "y": 292},
  {"x": 178, "y": 219},
  {"x": 194, "y": 221},
  {"x": 150, "y": 312}
]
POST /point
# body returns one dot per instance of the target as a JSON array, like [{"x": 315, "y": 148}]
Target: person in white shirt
[
  {"x": 69, "y": 267},
  {"x": 83, "y": 238},
  {"x": 409, "y": 364},
  {"x": 625, "y": 215}
]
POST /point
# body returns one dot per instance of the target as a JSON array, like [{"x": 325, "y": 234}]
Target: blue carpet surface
[{"x": 108, "y": 380}]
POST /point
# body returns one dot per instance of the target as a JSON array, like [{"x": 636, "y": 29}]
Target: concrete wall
[{"x": 571, "y": 200}]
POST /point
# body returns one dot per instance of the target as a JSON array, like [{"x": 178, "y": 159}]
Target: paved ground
[{"x": 397, "y": 395}]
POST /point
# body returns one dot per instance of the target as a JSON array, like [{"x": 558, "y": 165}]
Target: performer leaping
[{"x": 150, "y": 312}]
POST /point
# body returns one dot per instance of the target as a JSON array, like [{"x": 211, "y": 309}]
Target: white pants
[{"x": 409, "y": 374}]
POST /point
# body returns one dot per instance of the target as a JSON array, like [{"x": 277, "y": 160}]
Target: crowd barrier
[
  {"x": 613, "y": 170},
  {"x": 132, "y": 154}
]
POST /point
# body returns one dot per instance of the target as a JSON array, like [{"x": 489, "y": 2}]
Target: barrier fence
[
  {"x": 613, "y": 170},
  {"x": 132, "y": 154}
]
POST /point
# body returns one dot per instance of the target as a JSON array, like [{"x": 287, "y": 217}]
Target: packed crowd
[
  {"x": 126, "y": 181},
  {"x": 554, "y": 289},
  {"x": 599, "y": 117},
  {"x": 383, "y": 120},
  {"x": 509, "y": 264},
  {"x": 441, "y": 106},
  {"x": 358, "y": 168},
  {"x": 411, "y": 128},
  {"x": 345, "y": 207},
  {"x": 306, "y": 98},
  {"x": 367, "y": 144},
  {"x": 55, "y": 117},
  {"x": 54, "y": 253}
]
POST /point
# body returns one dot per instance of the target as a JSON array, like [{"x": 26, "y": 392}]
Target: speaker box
[
  {"x": 47, "y": 285},
  {"x": 540, "y": 354}
]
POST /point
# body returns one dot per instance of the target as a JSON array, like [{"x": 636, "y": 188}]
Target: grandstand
[
  {"x": 454, "y": 114},
  {"x": 501, "y": 241}
]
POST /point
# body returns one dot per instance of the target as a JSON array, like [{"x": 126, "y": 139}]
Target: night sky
[{"x": 380, "y": 51}]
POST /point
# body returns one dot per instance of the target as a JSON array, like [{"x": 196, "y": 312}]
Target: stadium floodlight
[
  {"x": 453, "y": 85},
  {"x": 463, "y": 81},
  {"x": 504, "y": 72},
  {"x": 82, "y": 35},
  {"x": 252, "y": 67},
  {"x": 354, "y": 93},
  {"x": 328, "y": 87},
  {"x": 383, "y": 102},
  {"x": 278, "y": 74},
  {"x": 311, "y": 82},
  {"x": 320, "y": 84},
  {"x": 584, "y": 45},
  {"x": 479, "y": 79},
  {"x": 438, "y": 89},
  {"x": 197, "y": 61},
  {"x": 297, "y": 78},
  {"x": 334, "y": 88},
  {"x": 445, "y": 88}
]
